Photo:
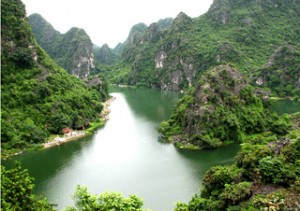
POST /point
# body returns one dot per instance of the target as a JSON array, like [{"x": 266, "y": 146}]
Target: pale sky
[{"x": 110, "y": 21}]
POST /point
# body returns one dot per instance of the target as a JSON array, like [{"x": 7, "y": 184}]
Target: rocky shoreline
[{"x": 60, "y": 140}]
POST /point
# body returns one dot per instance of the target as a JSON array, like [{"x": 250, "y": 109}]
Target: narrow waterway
[{"x": 125, "y": 156}]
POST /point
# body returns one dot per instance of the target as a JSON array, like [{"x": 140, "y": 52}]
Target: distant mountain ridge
[
  {"x": 72, "y": 50},
  {"x": 107, "y": 56},
  {"x": 237, "y": 53},
  {"x": 246, "y": 34}
]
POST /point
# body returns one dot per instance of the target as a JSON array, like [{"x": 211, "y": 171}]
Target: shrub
[
  {"x": 205, "y": 141},
  {"x": 105, "y": 201},
  {"x": 271, "y": 169},
  {"x": 198, "y": 203},
  {"x": 249, "y": 156},
  {"x": 17, "y": 191},
  {"x": 292, "y": 152},
  {"x": 235, "y": 193},
  {"x": 215, "y": 179}
]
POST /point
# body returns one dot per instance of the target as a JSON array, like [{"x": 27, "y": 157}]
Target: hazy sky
[{"x": 110, "y": 21}]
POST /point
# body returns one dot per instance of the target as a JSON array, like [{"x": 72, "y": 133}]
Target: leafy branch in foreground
[
  {"x": 105, "y": 201},
  {"x": 17, "y": 191}
]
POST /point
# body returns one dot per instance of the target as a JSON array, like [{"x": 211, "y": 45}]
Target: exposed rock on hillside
[
  {"x": 135, "y": 32},
  {"x": 73, "y": 50},
  {"x": 180, "y": 22},
  {"x": 242, "y": 33},
  {"x": 38, "y": 96},
  {"x": 282, "y": 71},
  {"x": 222, "y": 107}
]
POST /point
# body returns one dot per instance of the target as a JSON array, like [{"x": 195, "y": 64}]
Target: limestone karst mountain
[
  {"x": 258, "y": 37},
  {"x": 38, "y": 97},
  {"x": 72, "y": 50}
]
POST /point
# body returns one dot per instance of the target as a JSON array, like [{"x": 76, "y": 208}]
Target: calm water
[
  {"x": 125, "y": 156},
  {"x": 285, "y": 106}
]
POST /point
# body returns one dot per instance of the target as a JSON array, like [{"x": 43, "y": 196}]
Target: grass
[{"x": 94, "y": 126}]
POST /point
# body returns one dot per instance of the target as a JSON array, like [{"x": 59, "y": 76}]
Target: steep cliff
[
  {"x": 73, "y": 50},
  {"x": 76, "y": 53},
  {"x": 38, "y": 97},
  {"x": 281, "y": 73},
  {"x": 45, "y": 34},
  {"x": 239, "y": 32},
  {"x": 222, "y": 107}
]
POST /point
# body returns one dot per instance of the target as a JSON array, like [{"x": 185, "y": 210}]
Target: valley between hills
[{"x": 200, "y": 84}]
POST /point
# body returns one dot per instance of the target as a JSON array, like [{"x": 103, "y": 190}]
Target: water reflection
[{"x": 125, "y": 156}]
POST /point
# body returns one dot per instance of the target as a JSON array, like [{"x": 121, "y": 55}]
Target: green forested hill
[
  {"x": 222, "y": 107},
  {"x": 258, "y": 42},
  {"x": 105, "y": 55},
  {"x": 72, "y": 50},
  {"x": 264, "y": 177},
  {"x": 45, "y": 34},
  {"x": 37, "y": 96},
  {"x": 261, "y": 38}
]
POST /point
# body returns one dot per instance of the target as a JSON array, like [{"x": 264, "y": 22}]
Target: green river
[{"x": 125, "y": 156}]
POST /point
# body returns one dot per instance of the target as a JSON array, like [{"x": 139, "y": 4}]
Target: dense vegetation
[
  {"x": 260, "y": 38},
  {"x": 38, "y": 97},
  {"x": 105, "y": 55},
  {"x": 17, "y": 191},
  {"x": 17, "y": 194},
  {"x": 221, "y": 108},
  {"x": 256, "y": 40},
  {"x": 105, "y": 201},
  {"x": 265, "y": 176},
  {"x": 282, "y": 71},
  {"x": 72, "y": 50}
]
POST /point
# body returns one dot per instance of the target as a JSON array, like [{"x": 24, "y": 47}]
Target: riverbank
[
  {"x": 60, "y": 140},
  {"x": 105, "y": 112},
  {"x": 77, "y": 134},
  {"x": 55, "y": 139}
]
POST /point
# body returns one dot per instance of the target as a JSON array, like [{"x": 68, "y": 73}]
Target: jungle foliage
[
  {"x": 264, "y": 177},
  {"x": 222, "y": 108},
  {"x": 38, "y": 97},
  {"x": 105, "y": 201},
  {"x": 17, "y": 194},
  {"x": 260, "y": 38},
  {"x": 17, "y": 191}
]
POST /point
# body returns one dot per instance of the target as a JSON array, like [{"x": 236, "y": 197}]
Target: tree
[
  {"x": 105, "y": 201},
  {"x": 58, "y": 121},
  {"x": 17, "y": 191}
]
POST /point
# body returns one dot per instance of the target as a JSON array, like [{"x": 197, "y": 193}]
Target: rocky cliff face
[
  {"x": 239, "y": 32},
  {"x": 146, "y": 50},
  {"x": 135, "y": 32},
  {"x": 221, "y": 107},
  {"x": 73, "y": 50},
  {"x": 38, "y": 96},
  {"x": 76, "y": 53},
  {"x": 45, "y": 34},
  {"x": 282, "y": 71}
]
